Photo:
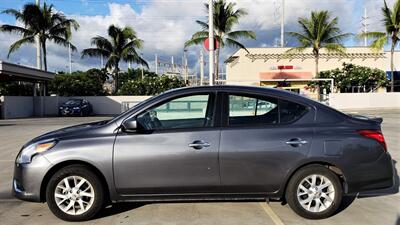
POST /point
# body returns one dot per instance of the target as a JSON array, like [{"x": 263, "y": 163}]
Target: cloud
[{"x": 165, "y": 25}]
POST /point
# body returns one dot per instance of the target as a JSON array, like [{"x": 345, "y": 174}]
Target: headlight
[
  {"x": 25, "y": 156},
  {"x": 76, "y": 108}
]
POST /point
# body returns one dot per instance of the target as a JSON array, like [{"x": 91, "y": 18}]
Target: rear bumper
[
  {"x": 371, "y": 176},
  {"x": 28, "y": 179}
]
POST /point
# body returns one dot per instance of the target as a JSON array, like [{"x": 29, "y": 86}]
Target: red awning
[{"x": 285, "y": 75}]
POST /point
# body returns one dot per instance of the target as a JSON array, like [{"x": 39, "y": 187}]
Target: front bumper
[
  {"x": 371, "y": 176},
  {"x": 28, "y": 179}
]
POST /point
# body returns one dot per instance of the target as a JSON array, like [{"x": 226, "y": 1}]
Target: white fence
[
  {"x": 20, "y": 107},
  {"x": 364, "y": 100}
]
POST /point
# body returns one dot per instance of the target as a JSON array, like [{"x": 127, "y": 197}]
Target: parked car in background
[
  {"x": 208, "y": 143},
  {"x": 75, "y": 107}
]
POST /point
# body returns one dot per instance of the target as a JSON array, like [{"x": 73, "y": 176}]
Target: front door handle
[
  {"x": 296, "y": 142},
  {"x": 199, "y": 145}
]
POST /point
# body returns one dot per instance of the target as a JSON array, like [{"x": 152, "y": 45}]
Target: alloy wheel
[
  {"x": 315, "y": 193},
  {"x": 74, "y": 195}
]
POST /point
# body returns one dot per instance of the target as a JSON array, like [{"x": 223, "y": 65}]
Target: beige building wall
[{"x": 244, "y": 68}]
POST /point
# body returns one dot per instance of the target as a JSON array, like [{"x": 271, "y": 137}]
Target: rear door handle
[
  {"x": 296, "y": 142},
  {"x": 199, "y": 145}
]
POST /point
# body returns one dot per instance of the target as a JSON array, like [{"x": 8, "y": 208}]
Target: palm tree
[
  {"x": 318, "y": 32},
  {"x": 391, "y": 20},
  {"x": 225, "y": 17},
  {"x": 43, "y": 22},
  {"x": 122, "y": 45}
]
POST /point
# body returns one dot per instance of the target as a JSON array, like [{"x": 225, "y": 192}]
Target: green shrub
[
  {"x": 351, "y": 75},
  {"x": 150, "y": 85}
]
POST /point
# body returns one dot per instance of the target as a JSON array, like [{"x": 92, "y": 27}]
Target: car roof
[{"x": 240, "y": 88}]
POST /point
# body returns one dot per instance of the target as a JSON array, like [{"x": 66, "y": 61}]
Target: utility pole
[
  {"x": 201, "y": 68},
  {"x": 365, "y": 26},
  {"x": 38, "y": 47},
  {"x": 211, "y": 40},
  {"x": 185, "y": 65},
  {"x": 283, "y": 25},
  {"x": 172, "y": 64},
  {"x": 142, "y": 67},
  {"x": 70, "y": 58},
  {"x": 156, "y": 64}
]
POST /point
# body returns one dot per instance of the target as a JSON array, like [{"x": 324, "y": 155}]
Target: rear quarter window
[{"x": 290, "y": 111}]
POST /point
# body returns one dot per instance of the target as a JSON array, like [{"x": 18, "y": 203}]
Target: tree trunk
[
  {"x": 317, "y": 75},
  {"x": 116, "y": 71},
  {"x": 392, "y": 66},
  {"x": 44, "y": 55},
  {"x": 317, "y": 66},
  {"x": 217, "y": 77}
]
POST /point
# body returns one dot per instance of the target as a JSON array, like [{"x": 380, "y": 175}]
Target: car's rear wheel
[
  {"x": 75, "y": 193},
  {"x": 314, "y": 192}
]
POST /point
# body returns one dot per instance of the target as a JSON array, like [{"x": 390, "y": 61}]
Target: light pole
[
  {"x": 38, "y": 47},
  {"x": 283, "y": 25},
  {"x": 211, "y": 40},
  {"x": 70, "y": 58},
  {"x": 142, "y": 67}
]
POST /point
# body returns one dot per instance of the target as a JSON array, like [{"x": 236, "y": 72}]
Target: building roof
[{"x": 13, "y": 72}]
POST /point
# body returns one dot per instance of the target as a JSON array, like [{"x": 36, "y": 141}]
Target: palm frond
[
  {"x": 242, "y": 34},
  {"x": 95, "y": 52},
  {"x": 15, "y": 29},
  {"x": 234, "y": 43},
  {"x": 195, "y": 41},
  {"x": 16, "y": 45}
]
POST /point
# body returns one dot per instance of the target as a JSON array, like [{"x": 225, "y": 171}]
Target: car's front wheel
[
  {"x": 314, "y": 192},
  {"x": 75, "y": 193}
]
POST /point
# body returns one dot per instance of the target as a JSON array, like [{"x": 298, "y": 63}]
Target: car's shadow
[{"x": 118, "y": 208}]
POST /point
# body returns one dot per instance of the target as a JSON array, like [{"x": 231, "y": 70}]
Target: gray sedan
[{"x": 208, "y": 143}]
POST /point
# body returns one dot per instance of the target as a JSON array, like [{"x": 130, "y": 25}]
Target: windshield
[
  {"x": 129, "y": 111},
  {"x": 73, "y": 102}
]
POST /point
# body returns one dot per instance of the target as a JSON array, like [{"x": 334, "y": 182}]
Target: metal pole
[
  {"x": 70, "y": 58},
  {"x": 185, "y": 65},
  {"x": 211, "y": 39},
  {"x": 283, "y": 25},
  {"x": 156, "y": 64},
  {"x": 142, "y": 67},
  {"x": 201, "y": 68},
  {"x": 365, "y": 27},
  {"x": 38, "y": 47}
]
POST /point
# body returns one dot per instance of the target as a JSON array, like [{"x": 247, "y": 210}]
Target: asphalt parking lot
[{"x": 364, "y": 210}]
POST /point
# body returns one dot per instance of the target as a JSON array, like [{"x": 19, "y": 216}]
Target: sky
[{"x": 165, "y": 25}]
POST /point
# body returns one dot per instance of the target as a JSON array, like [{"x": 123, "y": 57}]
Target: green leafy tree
[
  {"x": 44, "y": 22},
  {"x": 89, "y": 83},
  {"x": 150, "y": 85},
  {"x": 133, "y": 74},
  {"x": 318, "y": 32},
  {"x": 351, "y": 75},
  {"x": 122, "y": 45},
  {"x": 226, "y": 16},
  {"x": 16, "y": 88},
  {"x": 391, "y": 21}
]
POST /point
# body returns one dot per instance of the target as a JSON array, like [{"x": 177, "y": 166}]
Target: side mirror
[{"x": 130, "y": 125}]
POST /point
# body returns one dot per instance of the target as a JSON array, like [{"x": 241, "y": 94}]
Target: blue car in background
[{"x": 75, "y": 107}]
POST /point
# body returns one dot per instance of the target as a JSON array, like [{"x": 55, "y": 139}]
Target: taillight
[{"x": 374, "y": 134}]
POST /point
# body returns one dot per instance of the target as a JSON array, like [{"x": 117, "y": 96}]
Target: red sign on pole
[{"x": 207, "y": 44}]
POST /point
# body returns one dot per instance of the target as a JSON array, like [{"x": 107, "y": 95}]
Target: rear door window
[
  {"x": 245, "y": 110},
  {"x": 290, "y": 111}
]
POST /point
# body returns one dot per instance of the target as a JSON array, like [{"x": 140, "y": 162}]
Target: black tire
[
  {"x": 81, "y": 171},
  {"x": 296, "y": 180}
]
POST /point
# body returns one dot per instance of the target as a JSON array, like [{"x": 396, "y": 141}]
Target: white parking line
[{"x": 271, "y": 214}]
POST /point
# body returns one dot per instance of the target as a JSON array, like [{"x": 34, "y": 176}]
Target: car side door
[
  {"x": 262, "y": 138},
  {"x": 174, "y": 150}
]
